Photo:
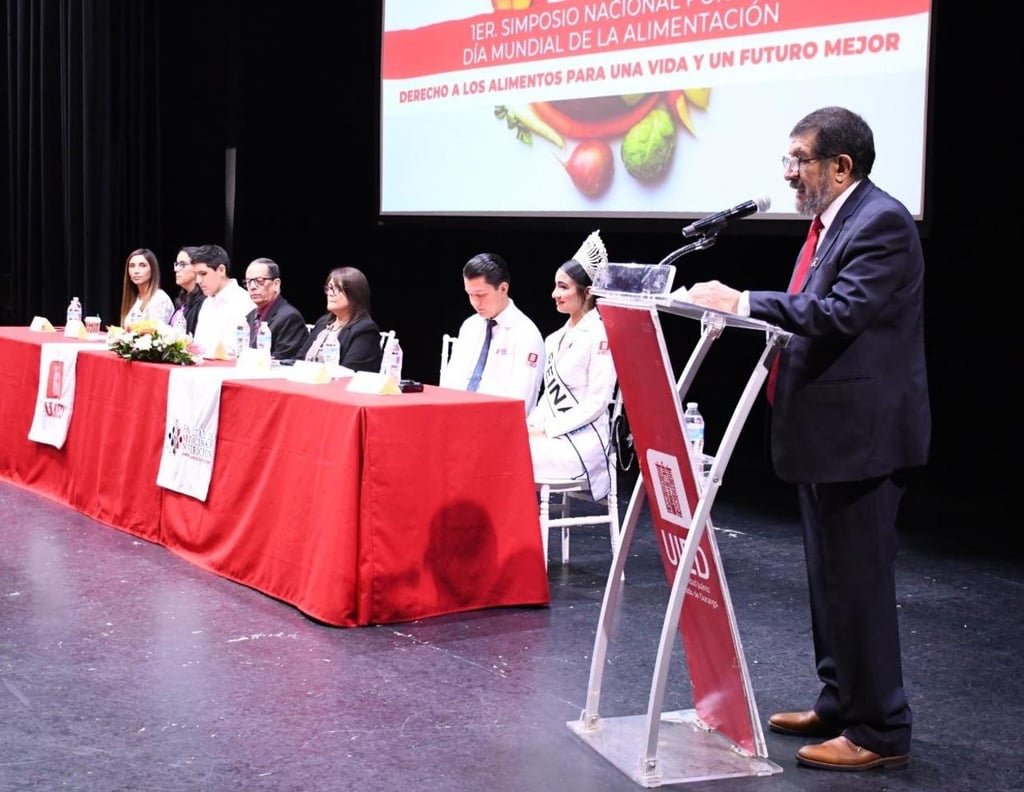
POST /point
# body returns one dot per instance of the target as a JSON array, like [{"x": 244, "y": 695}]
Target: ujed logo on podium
[{"x": 191, "y": 442}]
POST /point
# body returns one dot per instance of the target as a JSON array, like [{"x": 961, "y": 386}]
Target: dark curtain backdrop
[
  {"x": 120, "y": 116},
  {"x": 82, "y": 143}
]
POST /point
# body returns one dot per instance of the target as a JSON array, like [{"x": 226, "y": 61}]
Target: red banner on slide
[
  {"x": 713, "y": 652},
  {"x": 553, "y": 30}
]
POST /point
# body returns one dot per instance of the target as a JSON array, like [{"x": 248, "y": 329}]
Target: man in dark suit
[
  {"x": 287, "y": 327},
  {"x": 850, "y": 416}
]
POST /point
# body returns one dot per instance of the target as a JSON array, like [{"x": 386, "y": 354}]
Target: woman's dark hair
[
  {"x": 575, "y": 270},
  {"x": 355, "y": 286},
  {"x": 128, "y": 291}
]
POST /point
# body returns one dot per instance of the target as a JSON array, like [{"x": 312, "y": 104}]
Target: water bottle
[
  {"x": 264, "y": 339},
  {"x": 332, "y": 350},
  {"x": 179, "y": 323},
  {"x": 693, "y": 424},
  {"x": 74, "y": 311},
  {"x": 394, "y": 367},
  {"x": 241, "y": 338}
]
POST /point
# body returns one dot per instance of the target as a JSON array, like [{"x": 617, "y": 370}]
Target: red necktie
[{"x": 795, "y": 284}]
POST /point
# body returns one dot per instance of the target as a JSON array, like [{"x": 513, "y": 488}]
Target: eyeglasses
[
  {"x": 182, "y": 264},
  {"x": 330, "y": 288},
  {"x": 795, "y": 163},
  {"x": 258, "y": 282}
]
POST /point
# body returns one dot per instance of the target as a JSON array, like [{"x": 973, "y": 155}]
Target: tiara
[{"x": 592, "y": 255}]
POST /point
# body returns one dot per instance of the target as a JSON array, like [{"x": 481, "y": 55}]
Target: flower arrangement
[{"x": 153, "y": 342}]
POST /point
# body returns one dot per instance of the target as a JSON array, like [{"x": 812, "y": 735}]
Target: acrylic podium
[{"x": 721, "y": 737}]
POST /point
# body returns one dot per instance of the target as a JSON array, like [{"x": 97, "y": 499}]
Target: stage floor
[{"x": 123, "y": 667}]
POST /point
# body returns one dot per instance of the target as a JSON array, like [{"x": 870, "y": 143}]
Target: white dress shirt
[
  {"x": 515, "y": 359},
  {"x": 219, "y": 315}
]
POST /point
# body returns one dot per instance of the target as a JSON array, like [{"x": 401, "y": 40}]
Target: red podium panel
[
  {"x": 722, "y": 736},
  {"x": 713, "y": 653}
]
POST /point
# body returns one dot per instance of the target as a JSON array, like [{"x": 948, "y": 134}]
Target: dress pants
[{"x": 850, "y": 546}]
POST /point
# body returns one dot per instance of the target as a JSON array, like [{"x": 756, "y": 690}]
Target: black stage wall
[{"x": 292, "y": 87}]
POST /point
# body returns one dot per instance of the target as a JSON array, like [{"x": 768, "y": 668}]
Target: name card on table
[
  {"x": 41, "y": 324},
  {"x": 75, "y": 329},
  {"x": 255, "y": 360},
  {"x": 370, "y": 382},
  {"x": 310, "y": 372},
  {"x": 315, "y": 373}
]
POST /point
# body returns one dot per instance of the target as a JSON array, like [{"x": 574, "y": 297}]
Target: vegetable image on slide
[{"x": 644, "y": 128}]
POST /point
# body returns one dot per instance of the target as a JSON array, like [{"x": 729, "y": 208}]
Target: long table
[{"x": 355, "y": 508}]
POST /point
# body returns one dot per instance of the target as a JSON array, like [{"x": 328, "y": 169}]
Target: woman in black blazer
[{"x": 348, "y": 317}]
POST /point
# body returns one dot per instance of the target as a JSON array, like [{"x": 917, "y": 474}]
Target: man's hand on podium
[{"x": 714, "y": 294}]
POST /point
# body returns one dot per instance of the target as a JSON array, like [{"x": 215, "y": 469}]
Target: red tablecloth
[{"x": 356, "y": 509}]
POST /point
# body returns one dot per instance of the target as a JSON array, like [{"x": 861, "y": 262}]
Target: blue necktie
[{"x": 474, "y": 381}]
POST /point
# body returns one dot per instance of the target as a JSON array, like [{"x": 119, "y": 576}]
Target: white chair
[
  {"x": 447, "y": 344},
  {"x": 558, "y": 497}
]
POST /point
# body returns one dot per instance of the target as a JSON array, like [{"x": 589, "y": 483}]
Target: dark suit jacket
[
  {"x": 851, "y": 396},
  {"x": 287, "y": 328},
  {"x": 190, "y": 303},
  {"x": 359, "y": 340}
]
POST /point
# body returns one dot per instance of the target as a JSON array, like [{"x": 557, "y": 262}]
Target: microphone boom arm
[{"x": 701, "y": 243}]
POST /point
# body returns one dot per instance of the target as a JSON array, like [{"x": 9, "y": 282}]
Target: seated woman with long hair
[
  {"x": 569, "y": 427},
  {"x": 348, "y": 317},
  {"x": 141, "y": 295}
]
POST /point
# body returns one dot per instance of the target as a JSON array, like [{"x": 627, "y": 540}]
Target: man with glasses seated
[{"x": 287, "y": 327}]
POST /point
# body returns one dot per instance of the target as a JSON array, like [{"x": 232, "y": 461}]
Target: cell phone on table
[{"x": 410, "y": 386}]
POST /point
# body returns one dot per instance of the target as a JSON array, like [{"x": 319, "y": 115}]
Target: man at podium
[{"x": 850, "y": 415}]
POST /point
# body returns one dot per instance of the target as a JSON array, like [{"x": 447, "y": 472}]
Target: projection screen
[{"x": 636, "y": 108}]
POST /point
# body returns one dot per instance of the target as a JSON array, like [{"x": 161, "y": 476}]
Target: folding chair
[
  {"x": 558, "y": 497},
  {"x": 447, "y": 344}
]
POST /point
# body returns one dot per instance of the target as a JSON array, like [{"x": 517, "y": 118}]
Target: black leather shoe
[
  {"x": 841, "y": 754},
  {"x": 802, "y": 724}
]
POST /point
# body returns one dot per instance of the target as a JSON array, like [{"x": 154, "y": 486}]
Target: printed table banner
[
  {"x": 56, "y": 395},
  {"x": 193, "y": 415}
]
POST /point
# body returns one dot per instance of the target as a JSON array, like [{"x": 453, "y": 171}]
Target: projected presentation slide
[{"x": 637, "y": 108}]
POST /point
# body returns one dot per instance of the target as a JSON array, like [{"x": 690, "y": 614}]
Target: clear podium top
[
  {"x": 641, "y": 281},
  {"x": 633, "y": 285}
]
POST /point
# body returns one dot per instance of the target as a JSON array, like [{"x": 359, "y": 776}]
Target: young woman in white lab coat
[{"x": 569, "y": 427}]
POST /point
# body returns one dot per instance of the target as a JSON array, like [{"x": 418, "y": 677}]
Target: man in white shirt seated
[
  {"x": 226, "y": 305},
  {"x": 513, "y": 364}
]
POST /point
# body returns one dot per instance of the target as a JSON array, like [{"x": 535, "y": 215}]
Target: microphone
[{"x": 714, "y": 223}]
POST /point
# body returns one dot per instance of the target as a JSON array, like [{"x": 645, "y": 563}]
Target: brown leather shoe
[
  {"x": 802, "y": 724},
  {"x": 841, "y": 754}
]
